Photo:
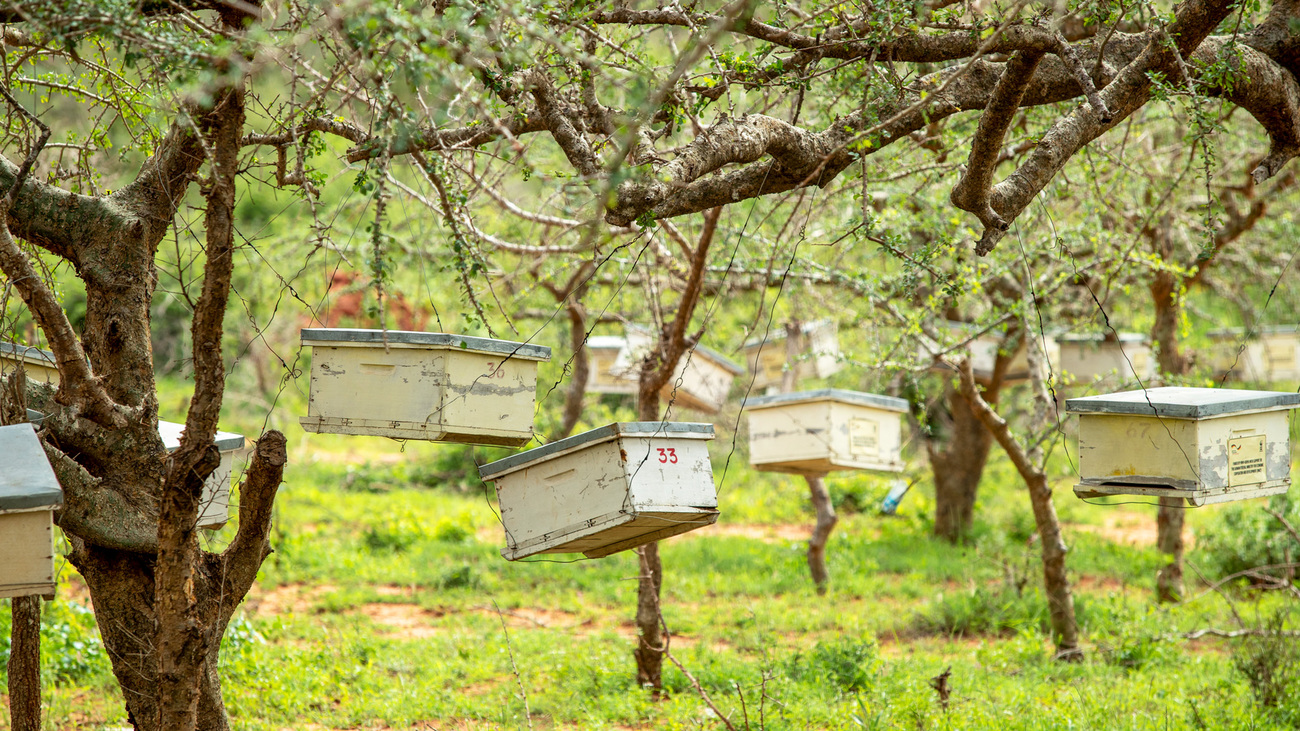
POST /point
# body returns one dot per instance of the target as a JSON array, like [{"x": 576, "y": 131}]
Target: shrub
[
  {"x": 1270, "y": 663},
  {"x": 848, "y": 663},
  {"x": 1245, "y": 536}
]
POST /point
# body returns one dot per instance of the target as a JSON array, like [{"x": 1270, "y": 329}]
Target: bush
[
  {"x": 1245, "y": 536},
  {"x": 1270, "y": 663},
  {"x": 848, "y": 663},
  {"x": 983, "y": 612},
  {"x": 71, "y": 650}
]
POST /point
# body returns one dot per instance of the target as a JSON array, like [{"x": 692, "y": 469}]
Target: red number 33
[{"x": 667, "y": 454}]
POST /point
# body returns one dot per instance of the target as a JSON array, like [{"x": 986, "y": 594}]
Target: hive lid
[
  {"x": 639, "y": 339},
  {"x": 888, "y": 403},
  {"x": 779, "y": 334},
  {"x": 27, "y": 353},
  {"x": 675, "y": 429},
  {"x": 170, "y": 432},
  {"x": 718, "y": 358},
  {"x": 26, "y": 479},
  {"x": 606, "y": 342},
  {"x": 326, "y": 336},
  {"x": 1100, "y": 338},
  {"x": 1237, "y": 332},
  {"x": 1183, "y": 403}
]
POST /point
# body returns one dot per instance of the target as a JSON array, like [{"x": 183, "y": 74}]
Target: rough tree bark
[
  {"x": 957, "y": 461},
  {"x": 1029, "y": 462},
  {"x": 25, "y": 664},
  {"x": 570, "y": 296},
  {"x": 657, "y": 368}
]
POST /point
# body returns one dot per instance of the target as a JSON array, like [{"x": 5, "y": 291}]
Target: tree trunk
[
  {"x": 821, "y": 500},
  {"x": 1169, "y": 526},
  {"x": 651, "y": 637},
  {"x": 958, "y": 466},
  {"x": 577, "y": 390},
  {"x": 25, "y": 664}
]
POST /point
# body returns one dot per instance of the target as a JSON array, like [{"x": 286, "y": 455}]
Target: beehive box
[
  {"x": 767, "y": 358},
  {"x": 983, "y": 351},
  {"x": 431, "y": 386},
  {"x": 40, "y": 364},
  {"x": 816, "y": 432},
  {"x": 29, "y": 494},
  {"x": 1207, "y": 445},
  {"x": 602, "y": 354},
  {"x": 214, "y": 508},
  {"x": 606, "y": 490},
  {"x": 701, "y": 382},
  {"x": 1273, "y": 354},
  {"x": 1123, "y": 357}
]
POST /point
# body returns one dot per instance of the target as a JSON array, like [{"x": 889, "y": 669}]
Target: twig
[
  {"x": 12, "y": 194},
  {"x": 700, "y": 689},
  {"x": 528, "y": 714}
]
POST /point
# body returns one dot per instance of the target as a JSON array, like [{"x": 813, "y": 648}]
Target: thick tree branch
[{"x": 243, "y": 557}]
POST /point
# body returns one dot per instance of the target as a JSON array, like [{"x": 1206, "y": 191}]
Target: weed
[
  {"x": 1270, "y": 663},
  {"x": 848, "y": 663}
]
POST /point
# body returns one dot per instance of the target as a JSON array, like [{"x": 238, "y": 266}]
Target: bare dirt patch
[
  {"x": 289, "y": 598},
  {"x": 403, "y": 621},
  {"x": 1129, "y": 528},
  {"x": 765, "y": 533}
]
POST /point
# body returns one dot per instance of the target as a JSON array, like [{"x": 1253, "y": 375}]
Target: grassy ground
[{"x": 387, "y": 605}]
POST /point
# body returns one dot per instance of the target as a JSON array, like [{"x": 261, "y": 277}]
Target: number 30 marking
[{"x": 667, "y": 454}]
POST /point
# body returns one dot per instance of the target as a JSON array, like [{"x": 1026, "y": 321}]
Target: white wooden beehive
[
  {"x": 29, "y": 494},
  {"x": 1273, "y": 354},
  {"x": 214, "y": 508},
  {"x": 983, "y": 350},
  {"x": 416, "y": 385},
  {"x": 816, "y": 432},
  {"x": 1208, "y": 445},
  {"x": 1122, "y": 357},
  {"x": 39, "y": 364},
  {"x": 606, "y": 490},
  {"x": 602, "y": 354},
  {"x": 701, "y": 382},
  {"x": 821, "y": 346}
]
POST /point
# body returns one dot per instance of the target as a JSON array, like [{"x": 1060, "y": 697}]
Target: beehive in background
[
  {"x": 29, "y": 494},
  {"x": 816, "y": 432},
  {"x": 606, "y": 490},
  {"x": 1271, "y": 355},
  {"x": 983, "y": 350},
  {"x": 416, "y": 385},
  {"x": 1207, "y": 445},
  {"x": 1122, "y": 357},
  {"x": 701, "y": 382},
  {"x": 602, "y": 355},
  {"x": 40, "y": 364},
  {"x": 214, "y": 507},
  {"x": 819, "y": 354}
]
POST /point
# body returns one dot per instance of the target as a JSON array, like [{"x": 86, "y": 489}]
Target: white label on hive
[
  {"x": 864, "y": 437},
  {"x": 1245, "y": 460}
]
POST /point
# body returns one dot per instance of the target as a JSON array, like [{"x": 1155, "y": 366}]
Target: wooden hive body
[
  {"x": 702, "y": 381},
  {"x": 1207, "y": 445},
  {"x": 1125, "y": 358},
  {"x": 29, "y": 494},
  {"x": 39, "y": 364},
  {"x": 214, "y": 509},
  {"x": 829, "y": 430},
  {"x": 983, "y": 350},
  {"x": 1273, "y": 354},
  {"x": 607, "y": 490},
  {"x": 429, "y": 386},
  {"x": 602, "y": 353},
  {"x": 767, "y": 358}
]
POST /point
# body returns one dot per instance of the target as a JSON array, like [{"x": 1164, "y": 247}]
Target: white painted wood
[
  {"x": 1215, "y": 458},
  {"x": 214, "y": 506},
  {"x": 983, "y": 352},
  {"x": 606, "y": 494},
  {"x": 1123, "y": 360},
  {"x": 823, "y": 435},
  {"x": 39, "y": 364},
  {"x": 27, "y": 548},
  {"x": 602, "y": 355},
  {"x": 819, "y": 355},
  {"x": 439, "y": 393},
  {"x": 1272, "y": 355},
  {"x": 702, "y": 381}
]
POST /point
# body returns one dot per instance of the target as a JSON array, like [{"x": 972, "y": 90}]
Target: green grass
[{"x": 387, "y": 605}]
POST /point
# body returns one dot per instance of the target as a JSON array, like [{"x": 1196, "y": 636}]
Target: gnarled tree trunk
[{"x": 826, "y": 520}]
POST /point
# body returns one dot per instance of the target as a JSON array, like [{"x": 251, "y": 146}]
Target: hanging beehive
[
  {"x": 816, "y": 432},
  {"x": 1125, "y": 357},
  {"x": 29, "y": 494},
  {"x": 602, "y": 354},
  {"x": 606, "y": 490},
  {"x": 820, "y": 346},
  {"x": 983, "y": 350},
  {"x": 1272, "y": 355},
  {"x": 701, "y": 382},
  {"x": 214, "y": 507},
  {"x": 416, "y": 385},
  {"x": 39, "y": 364},
  {"x": 1208, "y": 445}
]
